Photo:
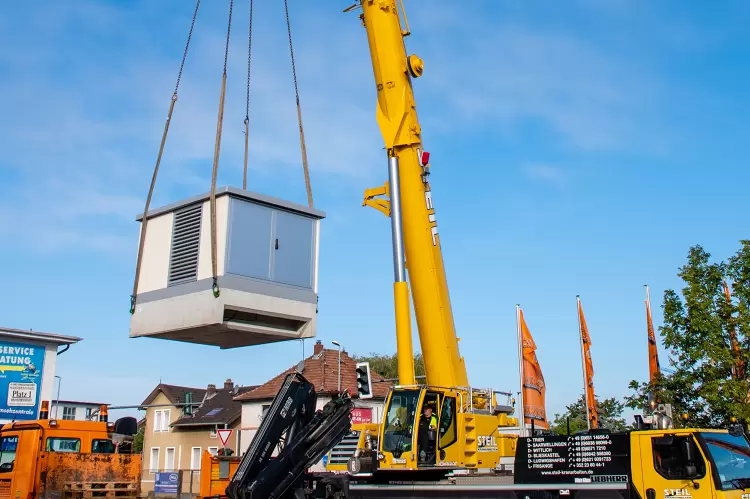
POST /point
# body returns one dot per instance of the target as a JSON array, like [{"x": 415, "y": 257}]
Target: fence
[{"x": 170, "y": 484}]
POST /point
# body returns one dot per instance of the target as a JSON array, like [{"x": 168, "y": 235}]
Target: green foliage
[
  {"x": 387, "y": 365},
  {"x": 609, "y": 410},
  {"x": 697, "y": 331},
  {"x": 138, "y": 440}
]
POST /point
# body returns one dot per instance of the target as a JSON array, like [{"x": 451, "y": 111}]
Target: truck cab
[
  {"x": 430, "y": 428},
  {"x": 691, "y": 463},
  {"x": 50, "y": 456}
]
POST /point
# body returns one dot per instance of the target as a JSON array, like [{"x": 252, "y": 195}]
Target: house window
[
  {"x": 264, "y": 410},
  {"x": 161, "y": 420},
  {"x": 88, "y": 414},
  {"x": 213, "y": 450},
  {"x": 69, "y": 413},
  {"x": 195, "y": 458},
  {"x": 212, "y": 432},
  {"x": 154, "y": 461},
  {"x": 169, "y": 459}
]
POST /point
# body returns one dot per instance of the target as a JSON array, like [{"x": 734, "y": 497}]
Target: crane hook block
[
  {"x": 416, "y": 66},
  {"x": 269, "y": 293}
]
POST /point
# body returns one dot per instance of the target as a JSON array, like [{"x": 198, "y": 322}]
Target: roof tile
[
  {"x": 175, "y": 394},
  {"x": 322, "y": 371},
  {"x": 221, "y": 408}
]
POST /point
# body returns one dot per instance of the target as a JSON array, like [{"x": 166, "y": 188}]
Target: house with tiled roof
[
  {"x": 323, "y": 370},
  {"x": 183, "y": 422}
]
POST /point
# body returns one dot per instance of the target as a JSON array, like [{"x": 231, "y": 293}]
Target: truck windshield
[
  {"x": 397, "y": 437},
  {"x": 8, "y": 446},
  {"x": 731, "y": 456}
]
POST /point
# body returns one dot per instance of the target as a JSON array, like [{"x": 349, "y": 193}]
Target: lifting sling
[{"x": 217, "y": 145}]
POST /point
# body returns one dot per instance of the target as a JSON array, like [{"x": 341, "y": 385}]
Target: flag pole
[
  {"x": 522, "y": 421},
  {"x": 583, "y": 362}
]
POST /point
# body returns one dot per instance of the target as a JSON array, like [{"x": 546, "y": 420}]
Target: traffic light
[
  {"x": 364, "y": 383},
  {"x": 187, "y": 409}
]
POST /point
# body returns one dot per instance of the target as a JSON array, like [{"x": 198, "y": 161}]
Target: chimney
[
  {"x": 210, "y": 391},
  {"x": 318, "y": 347},
  {"x": 228, "y": 385}
]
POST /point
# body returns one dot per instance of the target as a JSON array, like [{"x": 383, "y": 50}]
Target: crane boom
[{"x": 399, "y": 125}]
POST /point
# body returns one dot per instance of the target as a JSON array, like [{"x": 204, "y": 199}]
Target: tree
[
  {"x": 609, "y": 410},
  {"x": 387, "y": 365},
  {"x": 138, "y": 440},
  {"x": 706, "y": 380}
]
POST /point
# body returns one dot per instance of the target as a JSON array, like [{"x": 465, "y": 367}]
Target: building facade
[
  {"x": 72, "y": 409},
  {"x": 322, "y": 370},
  {"x": 176, "y": 434},
  {"x": 27, "y": 371}
]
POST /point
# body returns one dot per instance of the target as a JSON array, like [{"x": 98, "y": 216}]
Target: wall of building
[
  {"x": 157, "y": 439},
  {"x": 82, "y": 410},
  {"x": 182, "y": 441},
  {"x": 38, "y": 383}
]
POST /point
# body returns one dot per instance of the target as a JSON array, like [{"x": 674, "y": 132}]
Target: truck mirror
[
  {"x": 688, "y": 450},
  {"x": 127, "y": 425},
  {"x": 691, "y": 471},
  {"x": 689, "y": 453},
  {"x": 736, "y": 430}
]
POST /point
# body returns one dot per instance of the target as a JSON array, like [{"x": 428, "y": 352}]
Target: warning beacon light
[{"x": 425, "y": 158}]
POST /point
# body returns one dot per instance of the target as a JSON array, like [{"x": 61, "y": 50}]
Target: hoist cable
[
  {"x": 299, "y": 111},
  {"x": 247, "y": 99},
  {"x": 217, "y": 148},
  {"x": 144, "y": 221}
]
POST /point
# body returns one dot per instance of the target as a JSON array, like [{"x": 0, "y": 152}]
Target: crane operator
[{"x": 427, "y": 434}]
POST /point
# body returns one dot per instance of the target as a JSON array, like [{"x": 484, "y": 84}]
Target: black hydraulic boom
[{"x": 303, "y": 434}]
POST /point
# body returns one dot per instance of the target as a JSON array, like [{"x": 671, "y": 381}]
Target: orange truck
[
  {"x": 61, "y": 459},
  {"x": 216, "y": 471}
]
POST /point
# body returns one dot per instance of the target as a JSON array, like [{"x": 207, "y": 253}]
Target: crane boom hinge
[{"x": 382, "y": 205}]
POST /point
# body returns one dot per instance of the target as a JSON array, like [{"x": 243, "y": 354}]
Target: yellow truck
[
  {"x": 61, "y": 459},
  {"x": 645, "y": 463}
]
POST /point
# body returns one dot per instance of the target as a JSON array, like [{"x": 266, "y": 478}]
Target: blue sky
[{"x": 576, "y": 149}]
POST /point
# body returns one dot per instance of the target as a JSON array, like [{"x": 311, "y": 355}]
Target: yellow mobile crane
[
  {"x": 392, "y": 459},
  {"x": 462, "y": 431}
]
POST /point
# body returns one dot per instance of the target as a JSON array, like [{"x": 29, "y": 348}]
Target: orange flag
[
  {"x": 534, "y": 390},
  {"x": 588, "y": 370},
  {"x": 653, "y": 354}
]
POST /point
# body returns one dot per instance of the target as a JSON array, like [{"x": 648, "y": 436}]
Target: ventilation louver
[{"x": 186, "y": 232}]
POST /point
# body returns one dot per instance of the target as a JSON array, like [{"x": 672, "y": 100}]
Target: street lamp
[
  {"x": 57, "y": 403},
  {"x": 339, "y": 345}
]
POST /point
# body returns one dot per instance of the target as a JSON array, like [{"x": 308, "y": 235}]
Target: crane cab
[{"x": 427, "y": 427}]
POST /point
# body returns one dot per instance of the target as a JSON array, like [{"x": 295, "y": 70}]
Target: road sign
[{"x": 224, "y": 436}]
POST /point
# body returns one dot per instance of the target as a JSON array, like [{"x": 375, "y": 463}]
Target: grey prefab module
[{"x": 267, "y": 271}]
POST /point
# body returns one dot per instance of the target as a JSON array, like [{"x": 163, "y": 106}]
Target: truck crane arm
[
  {"x": 306, "y": 436},
  {"x": 416, "y": 242}
]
